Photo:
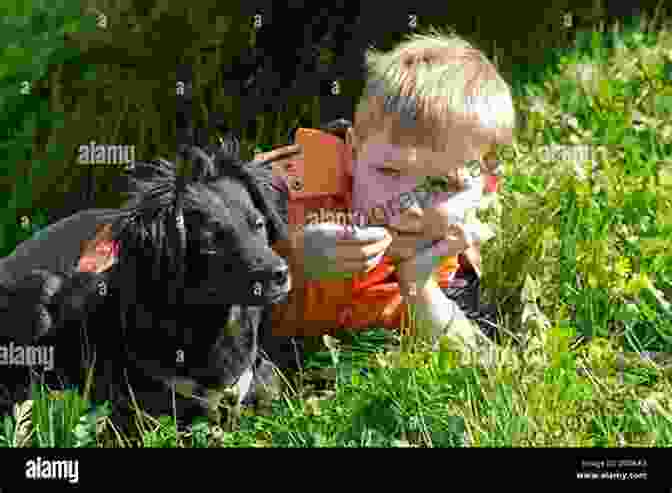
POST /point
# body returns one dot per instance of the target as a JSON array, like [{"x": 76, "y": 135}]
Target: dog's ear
[
  {"x": 142, "y": 178},
  {"x": 279, "y": 192},
  {"x": 79, "y": 294},
  {"x": 271, "y": 199},
  {"x": 204, "y": 165},
  {"x": 338, "y": 127},
  {"x": 278, "y": 230},
  {"x": 226, "y": 156}
]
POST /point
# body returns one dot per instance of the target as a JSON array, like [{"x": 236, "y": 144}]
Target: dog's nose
[{"x": 279, "y": 275}]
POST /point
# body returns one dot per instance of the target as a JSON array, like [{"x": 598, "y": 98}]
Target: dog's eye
[
  {"x": 258, "y": 224},
  {"x": 209, "y": 241}
]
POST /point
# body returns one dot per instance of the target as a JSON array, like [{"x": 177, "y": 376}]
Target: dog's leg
[
  {"x": 285, "y": 352},
  {"x": 231, "y": 400}
]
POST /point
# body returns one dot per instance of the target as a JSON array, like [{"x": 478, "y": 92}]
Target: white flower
[
  {"x": 570, "y": 121},
  {"x": 537, "y": 105},
  {"x": 585, "y": 72}
]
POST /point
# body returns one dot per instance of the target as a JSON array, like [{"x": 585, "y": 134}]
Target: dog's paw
[
  {"x": 266, "y": 387},
  {"x": 41, "y": 284},
  {"x": 25, "y": 305},
  {"x": 79, "y": 294}
]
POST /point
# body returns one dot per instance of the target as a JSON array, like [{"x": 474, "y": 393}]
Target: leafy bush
[{"x": 32, "y": 37}]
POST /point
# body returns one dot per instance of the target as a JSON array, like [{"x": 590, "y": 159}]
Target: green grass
[{"x": 579, "y": 271}]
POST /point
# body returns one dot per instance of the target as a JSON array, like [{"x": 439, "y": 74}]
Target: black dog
[{"x": 182, "y": 305}]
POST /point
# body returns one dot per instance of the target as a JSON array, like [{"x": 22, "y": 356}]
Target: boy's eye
[
  {"x": 436, "y": 183},
  {"x": 389, "y": 172}
]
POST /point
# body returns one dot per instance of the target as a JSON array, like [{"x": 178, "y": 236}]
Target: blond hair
[{"x": 431, "y": 84}]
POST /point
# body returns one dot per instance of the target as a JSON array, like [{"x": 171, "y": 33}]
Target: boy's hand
[
  {"x": 415, "y": 266},
  {"x": 328, "y": 250}
]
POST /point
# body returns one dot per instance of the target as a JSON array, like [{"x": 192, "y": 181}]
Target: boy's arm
[
  {"x": 473, "y": 255},
  {"x": 287, "y": 310},
  {"x": 286, "y": 314},
  {"x": 437, "y": 315},
  {"x": 288, "y": 317}
]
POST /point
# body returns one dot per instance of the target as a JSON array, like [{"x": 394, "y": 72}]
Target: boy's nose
[
  {"x": 411, "y": 220},
  {"x": 414, "y": 212}
]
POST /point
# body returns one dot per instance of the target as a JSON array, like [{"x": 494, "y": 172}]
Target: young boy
[{"x": 431, "y": 105}]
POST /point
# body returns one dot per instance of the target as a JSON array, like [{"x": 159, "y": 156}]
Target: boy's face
[{"x": 384, "y": 172}]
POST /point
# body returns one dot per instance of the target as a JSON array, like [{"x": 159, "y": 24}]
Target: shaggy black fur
[{"x": 127, "y": 320}]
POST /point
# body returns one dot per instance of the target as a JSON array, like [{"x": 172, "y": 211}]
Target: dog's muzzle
[
  {"x": 270, "y": 288},
  {"x": 263, "y": 287},
  {"x": 239, "y": 286}
]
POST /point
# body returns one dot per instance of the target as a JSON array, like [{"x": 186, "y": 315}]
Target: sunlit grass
[{"x": 579, "y": 271}]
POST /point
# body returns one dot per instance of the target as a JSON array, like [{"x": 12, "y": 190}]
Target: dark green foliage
[{"x": 33, "y": 43}]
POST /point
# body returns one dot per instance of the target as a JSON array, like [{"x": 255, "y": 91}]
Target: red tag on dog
[{"x": 98, "y": 256}]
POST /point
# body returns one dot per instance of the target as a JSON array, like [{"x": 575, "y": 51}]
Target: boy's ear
[
  {"x": 350, "y": 137},
  {"x": 473, "y": 255},
  {"x": 351, "y": 140}
]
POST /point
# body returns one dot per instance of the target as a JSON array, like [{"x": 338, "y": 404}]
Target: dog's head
[
  {"x": 233, "y": 212},
  {"x": 231, "y": 257}
]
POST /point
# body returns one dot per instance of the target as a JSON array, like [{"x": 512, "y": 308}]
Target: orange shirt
[{"x": 367, "y": 300}]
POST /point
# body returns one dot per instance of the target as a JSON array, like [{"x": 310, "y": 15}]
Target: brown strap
[{"x": 281, "y": 153}]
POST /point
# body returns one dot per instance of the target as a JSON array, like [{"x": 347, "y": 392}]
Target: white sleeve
[{"x": 465, "y": 200}]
